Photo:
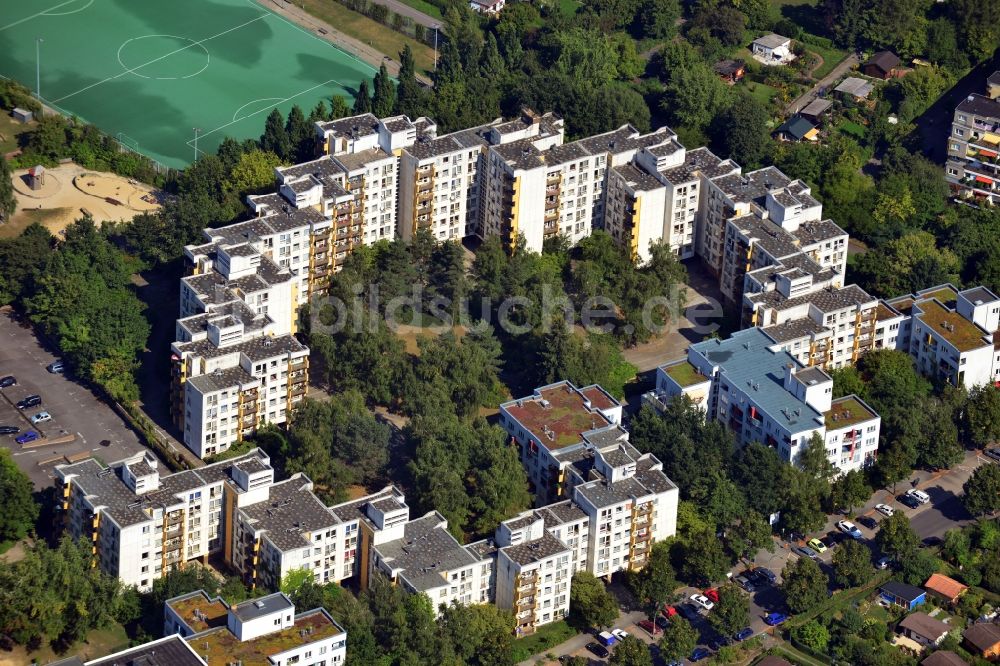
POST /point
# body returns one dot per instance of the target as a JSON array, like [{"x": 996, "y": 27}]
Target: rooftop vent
[{"x": 258, "y": 604}]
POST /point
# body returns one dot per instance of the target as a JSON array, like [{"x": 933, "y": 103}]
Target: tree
[
  {"x": 895, "y": 537},
  {"x": 479, "y": 634},
  {"x": 804, "y": 585},
  {"x": 941, "y": 448},
  {"x": 679, "y": 640},
  {"x": 654, "y": 583},
  {"x": 275, "y": 137},
  {"x": 657, "y": 19},
  {"x": 982, "y": 413},
  {"x": 982, "y": 490},
  {"x": 731, "y": 612},
  {"x": 692, "y": 97},
  {"x": 590, "y": 603},
  {"x": 20, "y": 511},
  {"x": 704, "y": 558},
  {"x": 49, "y": 138},
  {"x": 384, "y": 93},
  {"x": 363, "y": 100},
  {"x": 8, "y": 203},
  {"x": 852, "y": 564},
  {"x": 339, "y": 108},
  {"x": 631, "y": 652},
  {"x": 849, "y": 490},
  {"x": 813, "y": 635},
  {"x": 301, "y": 137},
  {"x": 917, "y": 567},
  {"x": 749, "y": 536},
  {"x": 742, "y": 131},
  {"x": 253, "y": 173},
  {"x": 409, "y": 93}
]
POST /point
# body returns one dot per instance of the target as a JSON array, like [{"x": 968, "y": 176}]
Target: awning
[
  {"x": 987, "y": 153},
  {"x": 984, "y": 179},
  {"x": 991, "y": 138}
]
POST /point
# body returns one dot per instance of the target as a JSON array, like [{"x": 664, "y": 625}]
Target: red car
[
  {"x": 648, "y": 626},
  {"x": 712, "y": 594},
  {"x": 668, "y": 611}
]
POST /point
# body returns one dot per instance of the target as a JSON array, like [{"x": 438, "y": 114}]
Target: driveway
[
  {"x": 81, "y": 421},
  {"x": 842, "y": 68}
]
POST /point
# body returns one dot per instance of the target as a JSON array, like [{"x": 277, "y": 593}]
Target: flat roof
[
  {"x": 951, "y": 326},
  {"x": 426, "y": 553},
  {"x": 290, "y": 513},
  {"x": 167, "y": 651},
  {"x": 254, "y": 608},
  {"x": 557, "y": 415},
  {"x": 220, "y": 647},
  {"x": 684, "y": 373},
  {"x": 848, "y": 411},
  {"x": 199, "y": 612}
]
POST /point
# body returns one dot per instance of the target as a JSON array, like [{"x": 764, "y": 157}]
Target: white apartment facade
[{"x": 973, "y": 165}]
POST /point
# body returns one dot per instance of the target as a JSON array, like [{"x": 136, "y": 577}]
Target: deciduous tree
[
  {"x": 804, "y": 584},
  {"x": 852, "y": 564},
  {"x": 679, "y": 640},
  {"x": 731, "y": 612},
  {"x": 590, "y": 603},
  {"x": 982, "y": 490}
]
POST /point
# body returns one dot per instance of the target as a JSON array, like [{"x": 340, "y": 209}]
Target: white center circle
[{"x": 173, "y": 48}]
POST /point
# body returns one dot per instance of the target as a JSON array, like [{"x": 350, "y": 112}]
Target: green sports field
[{"x": 150, "y": 71}]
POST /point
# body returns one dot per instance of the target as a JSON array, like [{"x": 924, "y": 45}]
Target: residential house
[
  {"x": 797, "y": 128},
  {"x": 943, "y": 658},
  {"x": 772, "y": 49},
  {"x": 945, "y": 588},
  {"x": 815, "y": 110},
  {"x": 488, "y": 7},
  {"x": 854, "y": 89},
  {"x": 901, "y": 594},
  {"x": 983, "y": 639},
  {"x": 923, "y": 629},
  {"x": 730, "y": 71},
  {"x": 883, "y": 65}
]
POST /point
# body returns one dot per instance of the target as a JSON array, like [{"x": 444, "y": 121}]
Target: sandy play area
[{"x": 69, "y": 191}]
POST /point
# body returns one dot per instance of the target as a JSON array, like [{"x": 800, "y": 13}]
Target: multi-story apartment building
[
  {"x": 142, "y": 523},
  {"x": 951, "y": 334},
  {"x": 763, "y": 394},
  {"x": 973, "y": 166},
  {"x": 657, "y": 197},
  {"x": 829, "y": 329},
  {"x": 266, "y": 630},
  {"x": 171, "y": 649},
  {"x": 554, "y": 425}
]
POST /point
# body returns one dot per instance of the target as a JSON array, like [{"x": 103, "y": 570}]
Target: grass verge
[
  {"x": 831, "y": 58},
  {"x": 376, "y": 35},
  {"x": 547, "y": 636},
  {"x": 425, "y": 7}
]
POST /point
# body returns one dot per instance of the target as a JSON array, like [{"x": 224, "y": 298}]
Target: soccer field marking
[
  {"x": 166, "y": 55},
  {"x": 254, "y": 101},
  {"x": 281, "y": 100},
  {"x": 41, "y": 13},
  {"x": 49, "y": 12},
  {"x": 208, "y": 58}
]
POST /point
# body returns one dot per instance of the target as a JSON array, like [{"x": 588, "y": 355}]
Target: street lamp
[
  {"x": 436, "y": 47},
  {"x": 38, "y": 68},
  {"x": 196, "y": 130}
]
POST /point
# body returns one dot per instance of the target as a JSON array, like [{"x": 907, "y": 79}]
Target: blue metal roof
[{"x": 747, "y": 362}]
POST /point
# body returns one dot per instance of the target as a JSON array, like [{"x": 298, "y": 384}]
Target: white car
[
  {"x": 919, "y": 495},
  {"x": 620, "y": 634},
  {"x": 885, "y": 509},
  {"x": 847, "y": 527},
  {"x": 702, "y": 601},
  {"x": 41, "y": 417}
]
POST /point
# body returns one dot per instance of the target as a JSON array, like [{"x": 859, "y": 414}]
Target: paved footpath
[
  {"x": 355, "y": 47},
  {"x": 842, "y": 68}
]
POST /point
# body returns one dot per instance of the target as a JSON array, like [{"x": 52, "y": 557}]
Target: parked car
[
  {"x": 883, "y": 562},
  {"x": 885, "y": 510},
  {"x": 763, "y": 576},
  {"x": 668, "y": 611},
  {"x": 834, "y": 538},
  {"x": 806, "y": 551},
  {"x": 606, "y": 638},
  {"x": 41, "y": 417},
  {"x": 29, "y": 436},
  {"x": 745, "y": 583},
  {"x": 849, "y": 528},
  {"x": 662, "y": 622},
  {"x": 9, "y": 380},
  {"x": 919, "y": 495},
  {"x": 30, "y": 401},
  {"x": 699, "y": 654},
  {"x": 774, "y": 619},
  {"x": 743, "y": 634},
  {"x": 56, "y": 367},
  {"x": 688, "y": 611},
  {"x": 620, "y": 634},
  {"x": 712, "y": 594},
  {"x": 599, "y": 650},
  {"x": 868, "y": 522},
  {"x": 817, "y": 545},
  {"x": 909, "y": 500},
  {"x": 9, "y": 430},
  {"x": 992, "y": 453},
  {"x": 647, "y": 626},
  {"x": 702, "y": 601}
]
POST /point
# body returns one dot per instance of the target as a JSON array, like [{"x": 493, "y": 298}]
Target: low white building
[{"x": 772, "y": 49}]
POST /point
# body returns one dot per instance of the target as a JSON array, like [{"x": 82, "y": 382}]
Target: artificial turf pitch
[{"x": 151, "y": 71}]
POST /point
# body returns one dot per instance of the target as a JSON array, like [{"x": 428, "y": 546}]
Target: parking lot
[{"x": 77, "y": 414}]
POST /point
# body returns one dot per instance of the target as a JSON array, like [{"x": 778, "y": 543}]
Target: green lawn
[
  {"x": 425, "y": 7},
  {"x": 761, "y": 92},
  {"x": 9, "y": 131},
  {"x": 548, "y": 636},
  {"x": 851, "y": 128},
  {"x": 568, "y": 8},
  {"x": 831, "y": 58},
  {"x": 99, "y": 643}
]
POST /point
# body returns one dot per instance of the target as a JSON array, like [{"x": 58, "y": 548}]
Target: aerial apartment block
[
  {"x": 171, "y": 649},
  {"x": 763, "y": 394},
  {"x": 951, "y": 334},
  {"x": 973, "y": 166},
  {"x": 142, "y": 523},
  {"x": 266, "y": 630}
]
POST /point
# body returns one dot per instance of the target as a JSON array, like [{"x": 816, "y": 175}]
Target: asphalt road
[{"x": 74, "y": 408}]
